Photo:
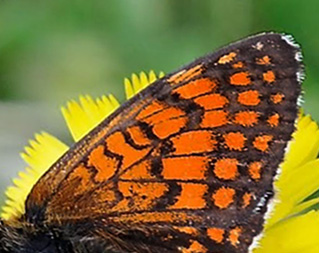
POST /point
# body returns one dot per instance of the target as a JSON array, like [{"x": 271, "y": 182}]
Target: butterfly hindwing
[{"x": 188, "y": 164}]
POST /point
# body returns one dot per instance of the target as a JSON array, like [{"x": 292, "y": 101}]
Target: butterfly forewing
[{"x": 188, "y": 164}]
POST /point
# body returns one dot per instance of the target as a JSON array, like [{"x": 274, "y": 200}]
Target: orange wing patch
[
  {"x": 105, "y": 165},
  {"x": 169, "y": 127},
  {"x": 143, "y": 195},
  {"x": 150, "y": 109},
  {"x": 82, "y": 174},
  {"x": 139, "y": 171},
  {"x": 246, "y": 118},
  {"x": 273, "y": 120},
  {"x": 214, "y": 118},
  {"x": 238, "y": 65},
  {"x": 105, "y": 196},
  {"x": 262, "y": 142},
  {"x": 185, "y": 75},
  {"x": 155, "y": 217},
  {"x": 138, "y": 136},
  {"x": 216, "y": 234},
  {"x": 212, "y": 101},
  {"x": 227, "y": 58},
  {"x": 240, "y": 78},
  {"x": 264, "y": 60},
  {"x": 116, "y": 143},
  {"x": 166, "y": 121},
  {"x": 234, "y": 235},
  {"x": 235, "y": 140},
  {"x": 226, "y": 168},
  {"x": 164, "y": 115},
  {"x": 246, "y": 199},
  {"x": 187, "y": 230},
  {"x": 195, "y": 247},
  {"x": 191, "y": 197},
  {"x": 195, "y": 88},
  {"x": 250, "y": 98},
  {"x": 277, "y": 98},
  {"x": 185, "y": 168},
  {"x": 187, "y": 143},
  {"x": 269, "y": 76},
  {"x": 255, "y": 170},
  {"x": 223, "y": 197}
]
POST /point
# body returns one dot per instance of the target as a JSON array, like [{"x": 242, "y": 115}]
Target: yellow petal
[
  {"x": 161, "y": 74},
  {"x": 143, "y": 80},
  {"x": 294, "y": 188},
  {"x": 303, "y": 206},
  {"x": 299, "y": 170},
  {"x": 81, "y": 117},
  {"x": 139, "y": 82},
  {"x": 136, "y": 83},
  {"x": 128, "y": 88},
  {"x": 44, "y": 150},
  {"x": 295, "y": 235},
  {"x": 304, "y": 147},
  {"x": 152, "y": 76},
  {"x": 40, "y": 155}
]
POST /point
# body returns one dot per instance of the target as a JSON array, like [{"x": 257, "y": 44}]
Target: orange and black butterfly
[{"x": 187, "y": 165}]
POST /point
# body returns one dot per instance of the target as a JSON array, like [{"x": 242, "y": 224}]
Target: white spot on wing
[
  {"x": 300, "y": 76},
  {"x": 262, "y": 202},
  {"x": 258, "y": 46},
  {"x": 255, "y": 243},
  {"x": 290, "y": 40},
  {"x": 267, "y": 215},
  {"x": 298, "y": 56},
  {"x": 300, "y": 101}
]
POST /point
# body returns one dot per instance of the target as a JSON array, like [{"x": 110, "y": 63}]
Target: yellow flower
[{"x": 293, "y": 225}]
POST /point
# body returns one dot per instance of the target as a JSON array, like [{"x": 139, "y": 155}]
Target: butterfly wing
[{"x": 186, "y": 165}]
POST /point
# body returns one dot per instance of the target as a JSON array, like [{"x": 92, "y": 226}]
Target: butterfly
[{"x": 186, "y": 165}]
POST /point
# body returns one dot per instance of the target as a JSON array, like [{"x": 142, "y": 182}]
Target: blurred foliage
[{"x": 55, "y": 50}]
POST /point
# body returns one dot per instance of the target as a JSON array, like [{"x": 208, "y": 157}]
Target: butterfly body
[{"x": 187, "y": 165}]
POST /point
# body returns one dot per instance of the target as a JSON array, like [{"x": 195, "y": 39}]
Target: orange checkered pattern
[{"x": 187, "y": 165}]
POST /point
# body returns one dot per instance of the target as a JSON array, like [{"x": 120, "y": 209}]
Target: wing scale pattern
[{"x": 188, "y": 164}]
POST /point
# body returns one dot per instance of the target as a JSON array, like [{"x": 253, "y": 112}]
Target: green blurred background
[{"x": 52, "y": 51}]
